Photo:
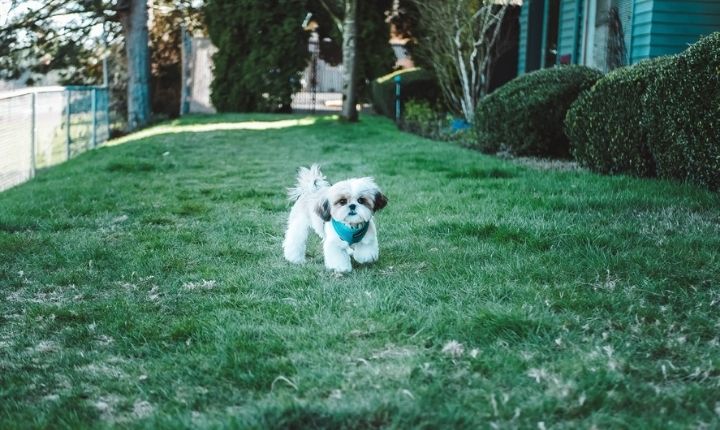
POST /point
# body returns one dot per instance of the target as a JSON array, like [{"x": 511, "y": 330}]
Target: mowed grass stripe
[{"x": 143, "y": 286}]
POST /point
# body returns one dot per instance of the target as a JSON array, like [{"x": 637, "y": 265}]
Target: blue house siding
[
  {"x": 570, "y": 22},
  {"x": 677, "y": 24},
  {"x": 568, "y": 42},
  {"x": 641, "y": 30},
  {"x": 522, "y": 42},
  {"x": 665, "y": 27},
  {"x": 652, "y": 28}
]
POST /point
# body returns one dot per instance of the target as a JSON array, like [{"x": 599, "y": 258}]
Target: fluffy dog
[{"x": 341, "y": 214}]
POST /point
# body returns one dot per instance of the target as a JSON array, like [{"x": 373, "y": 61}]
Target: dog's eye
[
  {"x": 342, "y": 202},
  {"x": 362, "y": 201}
]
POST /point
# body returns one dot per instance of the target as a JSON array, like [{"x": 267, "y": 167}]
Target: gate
[{"x": 321, "y": 89}]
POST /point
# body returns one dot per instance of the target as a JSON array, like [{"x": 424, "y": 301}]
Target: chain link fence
[{"x": 41, "y": 127}]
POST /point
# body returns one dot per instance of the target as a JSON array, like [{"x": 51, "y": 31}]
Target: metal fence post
[
  {"x": 67, "y": 122},
  {"x": 33, "y": 110},
  {"x": 397, "y": 80},
  {"x": 93, "y": 108}
]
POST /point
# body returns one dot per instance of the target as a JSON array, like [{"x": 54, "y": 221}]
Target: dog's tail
[{"x": 308, "y": 181}]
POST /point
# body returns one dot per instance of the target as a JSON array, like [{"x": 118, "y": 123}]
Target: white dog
[{"x": 340, "y": 214}]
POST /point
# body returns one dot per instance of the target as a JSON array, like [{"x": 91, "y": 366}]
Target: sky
[
  {"x": 7, "y": 12},
  {"x": 23, "y": 6},
  {"x": 4, "y": 9}
]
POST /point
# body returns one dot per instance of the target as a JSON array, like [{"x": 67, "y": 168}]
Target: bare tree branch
[
  {"x": 336, "y": 19},
  {"x": 460, "y": 40}
]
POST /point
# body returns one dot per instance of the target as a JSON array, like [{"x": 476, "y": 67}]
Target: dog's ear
[
  {"x": 323, "y": 210},
  {"x": 380, "y": 201}
]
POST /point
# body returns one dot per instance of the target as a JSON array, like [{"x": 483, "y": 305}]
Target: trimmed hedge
[
  {"x": 526, "y": 115},
  {"x": 605, "y": 126},
  {"x": 416, "y": 84},
  {"x": 682, "y": 115}
]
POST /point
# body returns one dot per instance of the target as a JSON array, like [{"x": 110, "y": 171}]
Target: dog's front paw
[
  {"x": 295, "y": 257},
  {"x": 336, "y": 256},
  {"x": 340, "y": 268},
  {"x": 296, "y": 260},
  {"x": 366, "y": 254}
]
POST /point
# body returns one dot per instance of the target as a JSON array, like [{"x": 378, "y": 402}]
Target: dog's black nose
[{"x": 352, "y": 206}]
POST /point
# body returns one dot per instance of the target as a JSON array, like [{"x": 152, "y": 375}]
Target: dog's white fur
[{"x": 317, "y": 202}]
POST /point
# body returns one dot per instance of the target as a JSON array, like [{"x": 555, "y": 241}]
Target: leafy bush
[
  {"x": 526, "y": 115},
  {"x": 604, "y": 124},
  {"x": 261, "y": 51},
  {"x": 421, "y": 118},
  {"x": 682, "y": 115},
  {"x": 418, "y": 117},
  {"x": 415, "y": 84}
]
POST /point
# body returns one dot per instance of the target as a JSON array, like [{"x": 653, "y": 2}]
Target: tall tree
[
  {"x": 133, "y": 15},
  {"x": 349, "y": 107}
]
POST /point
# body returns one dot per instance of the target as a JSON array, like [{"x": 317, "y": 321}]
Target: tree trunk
[
  {"x": 134, "y": 20},
  {"x": 349, "y": 109}
]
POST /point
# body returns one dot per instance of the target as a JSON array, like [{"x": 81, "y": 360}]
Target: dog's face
[{"x": 352, "y": 201}]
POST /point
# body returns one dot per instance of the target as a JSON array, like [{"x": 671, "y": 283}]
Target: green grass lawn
[{"x": 143, "y": 285}]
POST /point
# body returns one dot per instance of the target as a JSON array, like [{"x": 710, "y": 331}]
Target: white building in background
[{"x": 50, "y": 79}]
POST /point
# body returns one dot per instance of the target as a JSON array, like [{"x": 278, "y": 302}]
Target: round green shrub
[
  {"x": 604, "y": 124},
  {"x": 526, "y": 115},
  {"x": 415, "y": 84},
  {"x": 682, "y": 115}
]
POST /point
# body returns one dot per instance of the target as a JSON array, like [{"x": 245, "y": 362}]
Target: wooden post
[{"x": 186, "y": 54}]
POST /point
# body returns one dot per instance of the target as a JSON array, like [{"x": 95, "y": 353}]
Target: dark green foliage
[
  {"x": 419, "y": 117},
  {"x": 416, "y": 84},
  {"x": 682, "y": 109},
  {"x": 525, "y": 116},
  {"x": 262, "y": 49},
  {"x": 605, "y": 127},
  {"x": 423, "y": 118}
]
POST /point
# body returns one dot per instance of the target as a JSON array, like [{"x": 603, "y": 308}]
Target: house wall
[
  {"x": 652, "y": 28},
  {"x": 596, "y": 50},
  {"x": 664, "y": 27},
  {"x": 626, "y": 10},
  {"x": 534, "y": 55},
  {"x": 505, "y": 66},
  {"x": 569, "y": 33}
]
